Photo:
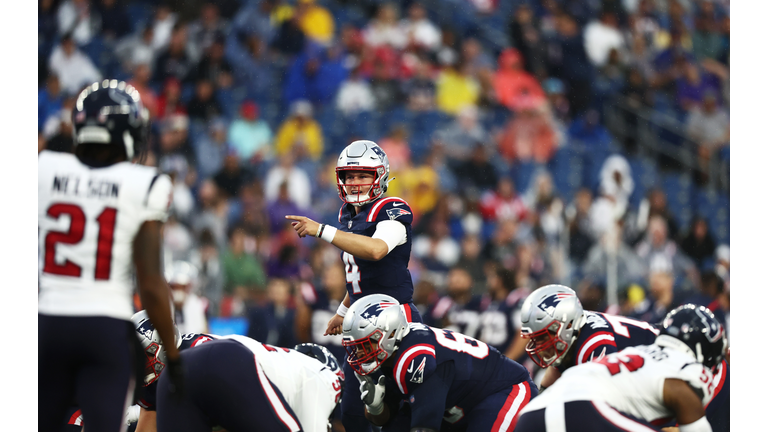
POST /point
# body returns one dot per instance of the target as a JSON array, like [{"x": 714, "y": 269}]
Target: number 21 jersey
[{"x": 87, "y": 221}]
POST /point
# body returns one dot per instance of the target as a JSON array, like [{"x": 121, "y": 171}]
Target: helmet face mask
[
  {"x": 551, "y": 319},
  {"x": 372, "y": 329},
  {"x": 154, "y": 350},
  {"x": 366, "y": 156}
]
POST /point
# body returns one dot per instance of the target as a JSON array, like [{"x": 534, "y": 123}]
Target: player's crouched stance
[
  {"x": 413, "y": 375},
  {"x": 243, "y": 385},
  {"x": 638, "y": 387}
]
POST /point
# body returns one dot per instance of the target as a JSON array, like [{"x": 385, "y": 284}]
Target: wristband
[
  {"x": 328, "y": 233},
  {"x": 342, "y": 310},
  {"x": 319, "y": 230}
]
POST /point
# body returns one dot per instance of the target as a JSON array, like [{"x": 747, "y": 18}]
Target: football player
[
  {"x": 500, "y": 316},
  {"x": 562, "y": 334},
  {"x": 640, "y": 386},
  {"x": 155, "y": 353},
  {"x": 99, "y": 215},
  {"x": 375, "y": 240},
  {"x": 459, "y": 309},
  {"x": 421, "y": 378},
  {"x": 243, "y": 385}
]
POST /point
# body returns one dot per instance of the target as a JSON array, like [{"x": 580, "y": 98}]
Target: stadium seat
[{"x": 567, "y": 167}]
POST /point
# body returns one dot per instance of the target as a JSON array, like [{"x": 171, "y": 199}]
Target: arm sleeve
[
  {"x": 158, "y": 198},
  {"x": 392, "y": 232}
]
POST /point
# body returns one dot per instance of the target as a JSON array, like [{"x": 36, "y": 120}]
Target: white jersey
[
  {"x": 631, "y": 381},
  {"x": 87, "y": 221},
  {"x": 310, "y": 388}
]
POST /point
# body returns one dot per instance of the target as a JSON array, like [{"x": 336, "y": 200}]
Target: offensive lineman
[
  {"x": 98, "y": 216},
  {"x": 375, "y": 240},
  {"x": 639, "y": 386}
]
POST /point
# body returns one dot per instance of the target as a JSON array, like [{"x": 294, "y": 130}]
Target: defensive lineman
[{"x": 98, "y": 215}]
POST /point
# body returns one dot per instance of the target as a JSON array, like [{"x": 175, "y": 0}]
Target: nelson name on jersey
[{"x": 92, "y": 189}]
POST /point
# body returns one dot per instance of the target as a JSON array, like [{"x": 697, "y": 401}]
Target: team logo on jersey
[
  {"x": 549, "y": 302},
  {"x": 418, "y": 374},
  {"x": 349, "y": 225},
  {"x": 396, "y": 213},
  {"x": 373, "y": 311}
]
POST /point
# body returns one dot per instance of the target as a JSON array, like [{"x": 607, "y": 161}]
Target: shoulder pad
[
  {"x": 392, "y": 208},
  {"x": 413, "y": 366}
]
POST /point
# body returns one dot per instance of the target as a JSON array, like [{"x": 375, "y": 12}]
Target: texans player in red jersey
[
  {"x": 420, "y": 378},
  {"x": 375, "y": 239}
]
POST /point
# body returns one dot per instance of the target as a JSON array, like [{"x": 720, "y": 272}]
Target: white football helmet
[
  {"x": 363, "y": 155},
  {"x": 552, "y": 317},
  {"x": 153, "y": 346},
  {"x": 371, "y": 331}
]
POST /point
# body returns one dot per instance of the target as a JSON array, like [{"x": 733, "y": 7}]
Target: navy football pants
[
  {"x": 224, "y": 386},
  {"x": 90, "y": 362},
  {"x": 352, "y": 407},
  {"x": 580, "y": 416}
]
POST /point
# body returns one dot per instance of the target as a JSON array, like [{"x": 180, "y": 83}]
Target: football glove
[{"x": 372, "y": 394}]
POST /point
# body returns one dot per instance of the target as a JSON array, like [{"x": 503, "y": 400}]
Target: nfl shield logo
[{"x": 349, "y": 225}]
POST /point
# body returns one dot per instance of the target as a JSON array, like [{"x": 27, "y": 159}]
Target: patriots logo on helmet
[
  {"x": 374, "y": 310},
  {"x": 396, "y": 213},
  {"x": 379, "y": 152},
  {"x": 549, "y": 302}
]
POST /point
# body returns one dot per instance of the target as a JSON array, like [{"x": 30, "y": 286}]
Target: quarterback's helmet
[
  {"x": 153, "y": 346},
  {"x": 324, "y": 356},
  {"x": 697, "y": 327},
  {"x": 372, "y": 329},
  {"x": 363, "y": 155},
  {"x": 182, "y": 277},
  {"x": 551, "y": 319},
  {"x": 110, "y": 113}
]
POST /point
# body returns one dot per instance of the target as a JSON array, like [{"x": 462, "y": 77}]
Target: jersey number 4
[
  {"x": 632, "y": 362},
  {"x": 106, "y": 221},
  {"x": 353, "y": 272}
]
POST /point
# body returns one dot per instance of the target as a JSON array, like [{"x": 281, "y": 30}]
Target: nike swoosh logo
[
  {"x": 410, "y": 368},
  {"x": 397, "y": 204}
]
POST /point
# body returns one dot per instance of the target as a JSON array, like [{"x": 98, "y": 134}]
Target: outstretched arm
[{"x": 687, "y": 406}]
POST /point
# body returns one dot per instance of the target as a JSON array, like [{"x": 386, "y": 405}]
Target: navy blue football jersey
[
  {"x": 500, "y": 320},
  {"x": 189, "y": 340},
  {"x": 390, "y": 275},
  {"x": 462, "y": 318},
  {"x": 604, "y": 334},
  {"x": 323, "y": 309},
  {"x": 443, "y": 375}
]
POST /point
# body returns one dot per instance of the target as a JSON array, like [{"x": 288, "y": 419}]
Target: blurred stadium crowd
[{"x": 491, "y": 113}]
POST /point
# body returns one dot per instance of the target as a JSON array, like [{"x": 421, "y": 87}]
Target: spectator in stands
[
  {"x": 290, "y": 39},
  {"x": 169, "y": 102},
  {"x": 478, "y": 60},
  {"x": 204, "y": 104},
  {"x": 503, "y": 203},
  {"x": 182, "y": 201},
  {"x": 115, "y": 22},
  {"x": 670, "y": 63},
  {"x": 588, "y": 131},
  {"x": 242, "y": 268},
  {"x": 213, "y": 67},
  {"x": 462, "y": 134},
  {"x": 231, "y": 177},
  {"x": 211, "y": 148},
  {"x": 385, "y": 88},
  {"x": 569, "y": 62},
  {"x": 163, "y": 25},
  {"x": 456, "y": 88},
  {"x": 530, "y": 135},
  {"x": 250, "y": 63},
  {"x": 136, "y": 49},
  {"x": 707, "y": 40},
  {"x": 74, "y": 69},
  {"x": 49, "y": 100},
  {"x": 189, "y": 308},
  {"x": 279, "y": 207},
  {"x": 693, "y": 85},
  {"x": 395, "y": 145},
  {"x": 629, "y": 266},
  {"x": 579, "y": 227},
  {"x": 47, "y": 26},
  {"x": 210, "y": 276},
  {"x": 212, "y": 213},
  {"x": 710, "y": 128},
  {"x": 436, "y": 249},
  {"x": 420, "y": 32},
  {"x": 250, "y": 136},
  {"x": 525, "y": 33},
  {"x": 383, "y": 29},
  {"x": 698, "y": 244},
  {"x": 300, "y": 134},
  {"x": 273, "y": 323},
  {"x": 315, "y": 75},
  {"x": 601, "y": 37},
  {"x": 657, "y": 243},
  {"x": 419, "y": 90},
  {"x": 315, "y": 21},
  {"x": 57, "y": 129},
  {"x": 355, "y": 94},
  {"x": 661, "y": 297},
  {"x": 477, "y": 172},
  {"x": 655, "y": 204},
  {"x": 77, "y": 18},
  {"x": 140, "y": 81},
  {"x": 173, "y": 61},
  {"x": 514, "y": 86},
  {"x": 255, "y": 20},
  {"x": 299, "y": 187},
  {"x": 472, "y": 261},
  {"x": 420, "y": 186},
  {"x": 204, "y": 31}
]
